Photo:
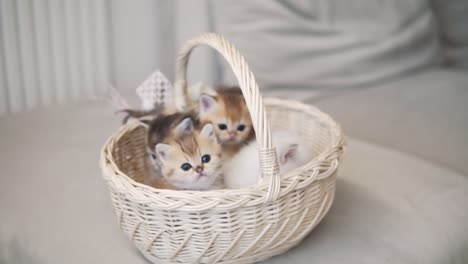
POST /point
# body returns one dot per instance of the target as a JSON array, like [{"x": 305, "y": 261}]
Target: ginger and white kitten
[
  {"x": 191, "y": 159},
  {"x": 243, "y": 169},
  {"x": 228, "y": 113}
]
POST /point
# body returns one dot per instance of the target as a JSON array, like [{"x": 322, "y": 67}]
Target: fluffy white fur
[{"x": 243, "y": 169}]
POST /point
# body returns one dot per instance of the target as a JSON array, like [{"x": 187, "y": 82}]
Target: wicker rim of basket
[{"x": 327, "y": 161}]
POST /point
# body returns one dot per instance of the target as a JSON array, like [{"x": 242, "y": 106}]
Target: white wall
[
  {"x": 135, "y": 41},
  {"x": 192, "y": 19},
  {"x": 146, "y": 36}
]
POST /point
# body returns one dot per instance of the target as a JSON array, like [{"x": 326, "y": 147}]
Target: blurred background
[{"x": 57, "y": 52}]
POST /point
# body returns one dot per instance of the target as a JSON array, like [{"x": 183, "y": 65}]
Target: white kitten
[{"x": 243, "y": 169}]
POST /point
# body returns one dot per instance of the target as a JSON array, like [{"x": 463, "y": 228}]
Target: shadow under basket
[{"x": 227, "y": 226}]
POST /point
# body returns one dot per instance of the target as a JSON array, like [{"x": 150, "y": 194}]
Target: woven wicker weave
[{"x": 227, "y": 226}]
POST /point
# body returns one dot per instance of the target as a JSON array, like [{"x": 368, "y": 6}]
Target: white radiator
[{"x": 52, "y": 52}]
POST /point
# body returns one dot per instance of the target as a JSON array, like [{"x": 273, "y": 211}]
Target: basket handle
[{"x": 269, "y": 167}]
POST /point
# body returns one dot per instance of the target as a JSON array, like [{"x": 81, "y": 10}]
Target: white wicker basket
[{"x": 227, "y": 226}]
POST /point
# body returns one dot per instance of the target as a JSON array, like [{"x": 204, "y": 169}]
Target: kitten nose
[
  {"x": 232, "y": 133},
  {"x": 199, "y": 169}
]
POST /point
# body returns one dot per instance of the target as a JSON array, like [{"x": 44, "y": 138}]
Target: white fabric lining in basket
[{"x": 227, "y": 226}]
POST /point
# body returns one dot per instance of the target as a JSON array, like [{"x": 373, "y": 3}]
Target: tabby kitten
[
  {"x": 164, "y": 126},
  {"x": 228, "y": 113},
  {"x": 190, "y": 159}
]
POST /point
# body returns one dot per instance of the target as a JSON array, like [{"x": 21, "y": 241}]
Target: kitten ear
[
  {"x": 208, "y": 131},
  {"x": 207, "y": 103},
  {"x": 185, "y": 126},
  {"x": 162, "y": 151},
  {"x": 289, "y": 153}
]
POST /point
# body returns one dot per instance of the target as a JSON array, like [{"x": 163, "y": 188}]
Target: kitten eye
[
  {"x": 222, "y": 126},
  {"x": 241, "y": 127},
  {"x": 153, "y": 155},
  {"x": 186, "y": 166},
  {"x": 205, "y": 158}
]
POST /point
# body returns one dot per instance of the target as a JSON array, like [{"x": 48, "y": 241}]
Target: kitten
[
  {"x": 243, "y": 169},
  {"x": 190, "y": 159},
  {"x": 163, "y": 125},
  {"x": 229, "y": 115}
]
